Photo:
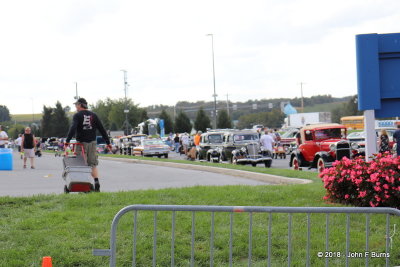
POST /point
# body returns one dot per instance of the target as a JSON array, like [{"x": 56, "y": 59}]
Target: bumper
[
  {"x": 155, "y": 152},
  {"x": 253, "y": 160}
]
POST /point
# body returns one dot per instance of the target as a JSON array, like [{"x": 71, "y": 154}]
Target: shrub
[{"x": 359, "y": 183}]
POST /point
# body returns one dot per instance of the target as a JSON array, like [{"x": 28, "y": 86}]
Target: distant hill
[{"x": 26, "y": 118}]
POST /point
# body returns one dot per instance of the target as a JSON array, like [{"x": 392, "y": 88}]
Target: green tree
[
  {"x": 4, "y": 114},
  {"x": 14, "y": 130},
  {"x": 202, "y": 121},
  {"x": 112, "y": 113},
  {"x": 182, "y": 123},
  {"x": 224, "y": 121},
  {"x": 168, "y": 123},
  {"x": 46, "y": 122},
  {"x": 347, "y": 109},
  {"x": 60, "y": 121},
  {"x": 54, "y": 121}
]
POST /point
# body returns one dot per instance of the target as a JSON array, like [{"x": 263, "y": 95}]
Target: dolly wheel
[{"x": 66, "y": 191}]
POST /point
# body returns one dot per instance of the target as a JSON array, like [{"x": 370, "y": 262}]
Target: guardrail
[{"x": 325, "y": 253}]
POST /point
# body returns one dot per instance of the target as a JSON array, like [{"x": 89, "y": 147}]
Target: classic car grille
[
  {"x": 252, "y": 149},
  {"x": 342, "y": 150}
]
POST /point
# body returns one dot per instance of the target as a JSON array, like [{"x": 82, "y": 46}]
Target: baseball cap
[{"x": 81, "y": 101}]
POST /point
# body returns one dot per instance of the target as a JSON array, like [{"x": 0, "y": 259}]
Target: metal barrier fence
[{"x": 326, "y": 254}]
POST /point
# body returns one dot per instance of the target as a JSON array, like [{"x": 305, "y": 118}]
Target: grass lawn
[{"x": 68, "y": 227}]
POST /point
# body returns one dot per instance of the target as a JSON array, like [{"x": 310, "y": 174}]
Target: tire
[
  {"x": 320, "y": 165},
  {"x": 254, "y": 164},
  {"x": 268, "y": 163},
  {"x": 234, "y": 161},
  {"x": 166, "y": 156},
  {"x": 295, "y": 163}
]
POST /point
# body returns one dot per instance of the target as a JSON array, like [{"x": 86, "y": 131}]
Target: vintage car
[
  {"x": 320, "y": 145},
  {"x": 151, "y": 147},
  {"x": 243, "y": 147},
  {"x": 359, "y": 139},
  {"x": 127, "y": 143},
  {"x": 288, "y": 140},
  {"x": 209, "y": 141}
]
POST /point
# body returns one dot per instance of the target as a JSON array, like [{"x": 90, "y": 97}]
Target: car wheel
[
  {"x": 166, "y": 156},
  {"x": 268, "y": 164},
  {"x": 234, "y": 161},
  {"x": 254, "y": 164},
  {"x": 320, "y": 165},
  {"x": 295, "y": 163}
]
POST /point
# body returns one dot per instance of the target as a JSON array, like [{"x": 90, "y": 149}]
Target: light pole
[
  {"x": 215, "y": 94},
  {"x": 302, "y": 99},
  {"x": 126, "y": 110}
]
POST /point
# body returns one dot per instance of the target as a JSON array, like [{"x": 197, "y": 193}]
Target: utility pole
[
  {"x": 215, "y": 94},
  {"x": 126, "y": 110}
]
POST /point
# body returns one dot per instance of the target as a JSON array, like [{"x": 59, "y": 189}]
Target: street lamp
[
  {"x": 126, "y": 110},
  {"x": 214, "y": 95}
]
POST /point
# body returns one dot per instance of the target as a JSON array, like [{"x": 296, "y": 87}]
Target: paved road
[{"x": 115, "y": 176}]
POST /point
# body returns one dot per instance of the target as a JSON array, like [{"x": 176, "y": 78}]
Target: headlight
[
  {"x": 354, "y": 146},
  {"x": 332, "y": 147}
]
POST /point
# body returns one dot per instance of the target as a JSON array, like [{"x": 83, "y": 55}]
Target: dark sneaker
[{"x": 96, "y": 186}]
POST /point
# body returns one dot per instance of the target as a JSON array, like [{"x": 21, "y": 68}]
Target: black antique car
[
  {"x": 243, "y": 147},
  {"x": 209, "y": 141}
]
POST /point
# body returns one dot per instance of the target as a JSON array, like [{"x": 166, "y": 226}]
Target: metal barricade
[{"x": 326, "y": 254}]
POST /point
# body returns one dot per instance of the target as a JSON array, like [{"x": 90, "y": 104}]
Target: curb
[{"x": 269, "y": 178}]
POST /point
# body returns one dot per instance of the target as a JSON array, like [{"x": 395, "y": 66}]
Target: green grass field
[{"x": 68, "y": 227}]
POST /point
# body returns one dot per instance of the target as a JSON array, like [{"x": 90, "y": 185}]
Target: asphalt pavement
[{"x": 114, "y": 176}]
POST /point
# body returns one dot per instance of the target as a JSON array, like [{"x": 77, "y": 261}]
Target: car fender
[
  {"x": 297, "y": 154},
  {"x": 320, "y": 154}
]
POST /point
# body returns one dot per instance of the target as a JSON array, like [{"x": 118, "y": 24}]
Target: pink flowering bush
[{"x": 359, "y": 183}]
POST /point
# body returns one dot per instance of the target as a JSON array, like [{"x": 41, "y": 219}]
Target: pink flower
[{"x": 346, "y": 196}]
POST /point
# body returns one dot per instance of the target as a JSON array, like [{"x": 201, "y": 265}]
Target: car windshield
[
  {"x": 153, "y": 142},
  {"x": 328, "y": 133},
  {"x": 215, "y": 138},
  {"x": 356, "y": 135},
  {"x": 289, "y": 134},
  {"x": 245, "y": 137}
]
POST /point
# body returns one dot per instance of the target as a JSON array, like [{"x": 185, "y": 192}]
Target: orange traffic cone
[{"x": 47, "y": 262}]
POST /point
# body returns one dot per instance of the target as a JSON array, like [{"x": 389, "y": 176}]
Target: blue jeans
[{"x": 176, "y": 147}]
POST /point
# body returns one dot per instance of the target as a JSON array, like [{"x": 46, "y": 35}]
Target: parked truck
[{"x": 303, "y": 119}]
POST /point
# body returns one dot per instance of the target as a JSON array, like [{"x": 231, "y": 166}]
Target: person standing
[
  {"x": 85, "y": 123},
  {"x": 28, "y": 145},
  {"x": 185, "y": 142},
  {"x": 396, "y": 138},
  {"x": 384, "y": 142},
  {"x": 197, "y": 138},
  {"x": 267, "y": 141},
  {"x": 3, "y": 138},
  {"x": 176, "y": 143}
]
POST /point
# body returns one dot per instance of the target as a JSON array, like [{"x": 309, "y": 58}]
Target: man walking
[{"x": 84, "y": 125}]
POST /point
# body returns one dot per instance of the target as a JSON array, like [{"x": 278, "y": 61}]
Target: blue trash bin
[{"x": 6, "y": 159}]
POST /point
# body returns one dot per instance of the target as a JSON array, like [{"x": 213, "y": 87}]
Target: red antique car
[{"x": 320, "y": 145}]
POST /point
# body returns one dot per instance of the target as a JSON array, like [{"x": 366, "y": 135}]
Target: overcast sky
[{"x": 262, "y": 49}]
